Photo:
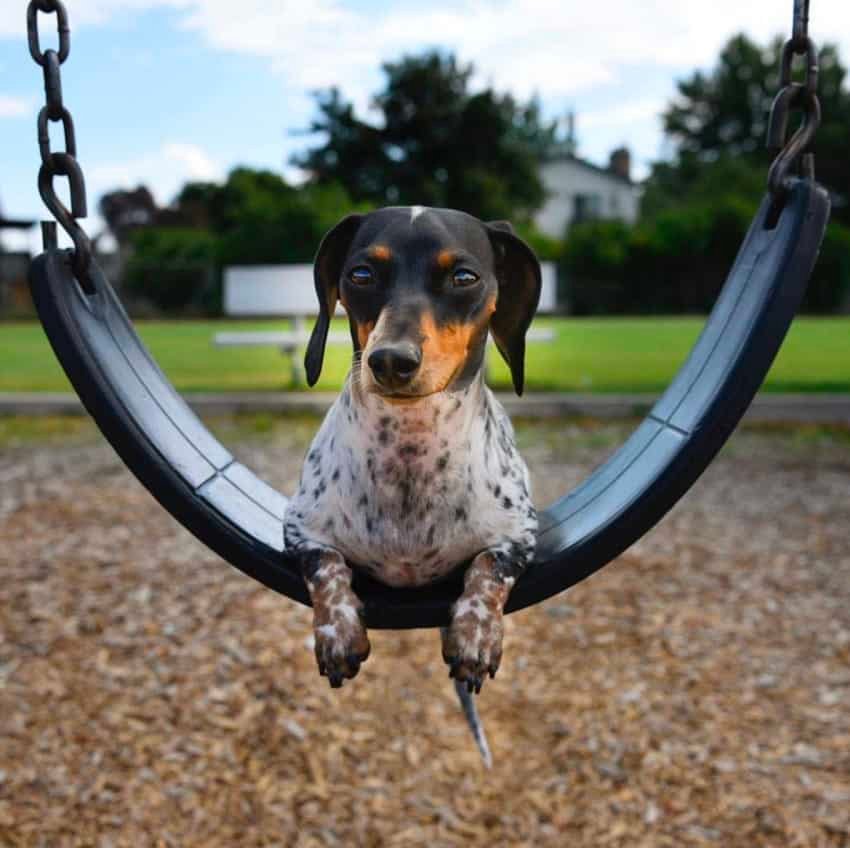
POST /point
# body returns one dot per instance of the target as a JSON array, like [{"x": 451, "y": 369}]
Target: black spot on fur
[
  {"x": 510, "y": 563},
  {"x": 335, "y": 475},
  {"x": 364, "y": 501},
  {"x": 507, "y": 503},
  {"x": 406, "y": 491},
  {"x": 460, "y": 514},
  {"x": 443, "y": 461},
  {"x": 310, "y": 561}
]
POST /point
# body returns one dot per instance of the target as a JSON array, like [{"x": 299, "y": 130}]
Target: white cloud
[
  {"x": 623, "y": 114},
  {"x": 164, "y": 171},
  {"x": 14, "y": 107},
  {"x": 553, "y": 46},
  {"x": 197, "y": 164}
]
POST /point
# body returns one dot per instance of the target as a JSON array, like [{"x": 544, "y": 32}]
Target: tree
[
  {"x": 173, "y": 268},
  {"x": 724, "y": 114},
  {"x": 438, "y": 143},
  {"x": 718, "y": 124},
  {"x": 258, "y": 217}
]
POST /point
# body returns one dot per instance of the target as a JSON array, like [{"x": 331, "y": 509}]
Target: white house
[{"x": 578, "y": 190}]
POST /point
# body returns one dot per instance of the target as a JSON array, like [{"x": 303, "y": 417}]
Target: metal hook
[
  {"x": 798, "y": 143},
  {"x": 60, "y": 164}
]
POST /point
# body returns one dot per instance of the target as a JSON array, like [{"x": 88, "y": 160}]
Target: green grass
[{"x": 588, "y": 355}]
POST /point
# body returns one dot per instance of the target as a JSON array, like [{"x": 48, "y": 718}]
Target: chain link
[
  {"x": 59, "y": 163},
  {"x": 793, "y": 151}
]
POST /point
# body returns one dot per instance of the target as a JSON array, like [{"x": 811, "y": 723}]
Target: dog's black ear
[
  {"x": 518, "y": 274},
  {"x": 327, "y": 268}
]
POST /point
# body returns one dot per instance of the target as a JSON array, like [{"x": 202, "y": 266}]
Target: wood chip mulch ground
[{"x": 696, "y": 692}]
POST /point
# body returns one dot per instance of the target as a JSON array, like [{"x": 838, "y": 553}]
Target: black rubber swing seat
[{"x": 241, "y": 518}]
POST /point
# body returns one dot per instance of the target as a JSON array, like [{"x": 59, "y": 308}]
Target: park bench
[{"x": 287, "y": 291}]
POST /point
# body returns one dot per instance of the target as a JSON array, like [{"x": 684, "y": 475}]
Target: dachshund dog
[{"x": 414, "y": 472}]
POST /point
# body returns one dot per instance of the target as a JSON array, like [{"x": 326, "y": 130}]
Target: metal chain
[
  {"x": 794, "y": 95},
  {"x": 64, "y": 163}
]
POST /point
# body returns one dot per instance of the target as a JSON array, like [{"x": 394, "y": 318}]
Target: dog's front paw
[
  {"x": 472, "y": 645},
  {"x": 341, "y": 644}
]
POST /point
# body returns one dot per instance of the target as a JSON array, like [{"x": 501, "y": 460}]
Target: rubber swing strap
[{"x": 629, "y": 493}]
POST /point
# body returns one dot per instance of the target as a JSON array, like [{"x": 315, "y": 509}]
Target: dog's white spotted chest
[{"x": 411, "y": 492}]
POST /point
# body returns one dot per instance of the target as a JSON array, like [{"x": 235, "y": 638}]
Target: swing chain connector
[
  {"x": 793, "y": 153},
  {"x": 59, "y": 164}
]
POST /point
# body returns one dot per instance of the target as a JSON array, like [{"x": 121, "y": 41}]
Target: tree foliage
[
  {"x": 254, "y": 217},
  {"x": 173, "y": 268},
  {"x": 696, "y": 207},
  {"x": 437, "y": 143},
  {"x": 724, "y": 114}
]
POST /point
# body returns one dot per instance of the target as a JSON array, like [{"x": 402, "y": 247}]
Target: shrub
[{"x": 173, "y": 268}]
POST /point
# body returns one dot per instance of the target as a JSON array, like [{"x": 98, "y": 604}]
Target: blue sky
[{"x": 163, "y": 91}]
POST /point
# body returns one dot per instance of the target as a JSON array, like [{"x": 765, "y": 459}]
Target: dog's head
[{"x": 421, "y": 288}]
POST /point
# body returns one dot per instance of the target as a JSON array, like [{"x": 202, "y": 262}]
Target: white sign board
[
  {"x": 252, "y": 290},
  {"x": 269, "y": 290},
  {"x": 549, "y": 289}
]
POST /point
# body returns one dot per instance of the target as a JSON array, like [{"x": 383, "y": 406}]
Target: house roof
[{"x": 577, "y": 160}]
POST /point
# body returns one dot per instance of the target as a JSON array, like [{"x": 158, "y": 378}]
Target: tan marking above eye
[
  {"x": 380, "y": 252},
  {"x": 446, "y": 258}
]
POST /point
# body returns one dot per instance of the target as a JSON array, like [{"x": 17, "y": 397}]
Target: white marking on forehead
[{"x": 415, "y": 212}]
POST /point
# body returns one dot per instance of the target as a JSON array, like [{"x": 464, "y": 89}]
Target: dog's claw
[
  {"x": 473, "y": 653},
  {"x": 339, "y": 656}
]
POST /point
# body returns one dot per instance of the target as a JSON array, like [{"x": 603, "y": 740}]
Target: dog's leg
[
  {"x": 472, "y": 644},
  {"x": 341, "y": 640}
]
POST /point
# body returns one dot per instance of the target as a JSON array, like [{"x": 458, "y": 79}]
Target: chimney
[
  {"x": 571, "y": 133},
  {"x": 621, "y": 163}
]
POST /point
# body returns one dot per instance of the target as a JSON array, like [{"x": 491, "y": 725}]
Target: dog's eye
[
  {"x": 361, "y": 275},
  {"x": 464, "y": 277}
]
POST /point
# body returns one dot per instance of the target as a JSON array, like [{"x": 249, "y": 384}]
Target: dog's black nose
[{"x": 394, "y": 366}]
